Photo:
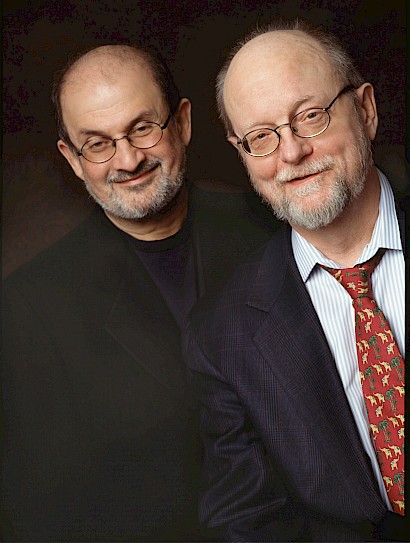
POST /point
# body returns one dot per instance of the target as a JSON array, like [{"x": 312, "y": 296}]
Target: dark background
[{"x": 42, "y": 199}]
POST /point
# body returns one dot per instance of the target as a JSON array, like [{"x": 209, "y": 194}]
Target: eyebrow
[
  {"x": 302, "y": 100},
  {"x": 143, "y": 116},
  {"x": 295, "y": 106}
]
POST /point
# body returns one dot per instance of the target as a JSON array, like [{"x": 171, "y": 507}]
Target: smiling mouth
[
  {"x": 301, "y": 178},
  {"x": 305, "y": 177},
  {"x": 136, "y": 177}
]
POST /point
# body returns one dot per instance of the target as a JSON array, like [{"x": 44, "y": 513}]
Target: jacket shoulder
[
  {"x": 266, "y": 265},
  {"x": 226, "y": 199},
  {"x": 68, "y": 261}
]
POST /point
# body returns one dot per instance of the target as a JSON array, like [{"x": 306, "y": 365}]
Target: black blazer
[
  {"x": 284, "y": 461},
  {"x": 100, "y": 439}
]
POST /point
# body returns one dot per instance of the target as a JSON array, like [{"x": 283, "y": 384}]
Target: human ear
[
  {"x": 71, "y": 158},
  {"x": 183, "y": 120},
  {"x": 368, "y": 110},
  {"x": 233, "y": 140}
]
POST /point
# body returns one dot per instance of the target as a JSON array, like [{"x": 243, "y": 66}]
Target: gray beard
[
  {"x": 342, "y": 193},
  {"x": 120, "y": 206}
]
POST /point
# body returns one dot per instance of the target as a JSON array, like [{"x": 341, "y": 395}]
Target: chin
[{"x": 139, "y": 202}]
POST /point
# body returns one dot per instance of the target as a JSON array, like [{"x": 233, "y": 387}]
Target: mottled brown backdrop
[{"x": 42, "y": 199}]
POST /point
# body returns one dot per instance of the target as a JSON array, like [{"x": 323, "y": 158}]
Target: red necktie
[{"x": 381, "y": 369}]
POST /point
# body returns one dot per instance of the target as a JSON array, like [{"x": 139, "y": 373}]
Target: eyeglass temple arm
[
  {"x": 166, "y": 122},
  {"x": 343, "y": 91}
]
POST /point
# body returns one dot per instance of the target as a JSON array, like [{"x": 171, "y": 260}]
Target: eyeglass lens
[
  {"x": 142, "y": 136},
  {"x": 305, "y": 124}
]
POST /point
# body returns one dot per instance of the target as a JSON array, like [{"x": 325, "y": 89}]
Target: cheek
[
  {"x": 261, "y": 169},
  {"x": 96, "y": 173},
  {"x": 344, "y": 156},
  {"x": 341, "y": 146},
  {"x": 335, "y": 147},
  {"x": 172, "y": 156}
]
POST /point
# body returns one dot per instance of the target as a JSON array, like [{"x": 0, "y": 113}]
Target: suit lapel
[
  {"x": 226, "y": 227},
  {"x": 401, "y": 215},
  {"x": 307, "y": 371},
  {"x": 402, "y": 205},
  {"x": 141, "y": 323},
  {"x": 137, "y": 316}
]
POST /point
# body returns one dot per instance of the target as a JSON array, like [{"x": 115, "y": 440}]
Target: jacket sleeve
[{"x": 242, "y": 495}]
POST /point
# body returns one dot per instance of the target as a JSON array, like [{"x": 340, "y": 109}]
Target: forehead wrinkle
[{"x": 143, "y": 116}]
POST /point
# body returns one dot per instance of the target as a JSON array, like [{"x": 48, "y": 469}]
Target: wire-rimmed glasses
[
  {"x": 305, "y": 124},
  {"x": 143, "y": 135}
]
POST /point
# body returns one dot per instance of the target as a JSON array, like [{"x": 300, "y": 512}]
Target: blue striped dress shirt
[{"x": 335, "y": 311}]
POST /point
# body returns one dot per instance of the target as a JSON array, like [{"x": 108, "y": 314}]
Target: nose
[
  {"x": 126, "y": 156},
  {"x": 292, "y": 148}
]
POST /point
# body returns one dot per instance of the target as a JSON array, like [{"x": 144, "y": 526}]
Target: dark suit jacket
[
  {"x": 100, "y": 438},
  {"x": 284, "y": 461}
]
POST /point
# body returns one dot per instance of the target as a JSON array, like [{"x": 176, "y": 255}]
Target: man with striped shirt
[{"x": 290, "y": 454}]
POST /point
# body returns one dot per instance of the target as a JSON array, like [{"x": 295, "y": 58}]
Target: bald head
[
  {"x": 283, "y": 44},
  {"x": 274, "y": 45},
  {"x": 105, "y": 64},
  {"x": 285, "y": 59}
]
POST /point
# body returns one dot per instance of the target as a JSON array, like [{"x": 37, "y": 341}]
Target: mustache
[
  {"x": 143, "y": 167},
  {"x": 315, "y": 166}
]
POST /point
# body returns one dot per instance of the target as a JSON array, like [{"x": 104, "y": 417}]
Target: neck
[
  {"x": 345, "y": 238},
  {"x": 163, "y": 224}
]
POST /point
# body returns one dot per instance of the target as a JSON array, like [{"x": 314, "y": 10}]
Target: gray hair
[{"x": 338, "y": 56}]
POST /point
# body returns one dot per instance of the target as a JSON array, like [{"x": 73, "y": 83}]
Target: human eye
[
  {"x": 141, "y": 129},
  {"x": 259, "y": 140},
  {"x": 310, "y": 116},
  {"x": 97, "y": 145}
]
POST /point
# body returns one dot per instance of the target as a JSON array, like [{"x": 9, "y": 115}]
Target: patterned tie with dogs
[{"x": 381, "y": 369}]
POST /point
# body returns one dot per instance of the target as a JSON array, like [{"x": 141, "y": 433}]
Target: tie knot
[{"x": 357, "y": 280}]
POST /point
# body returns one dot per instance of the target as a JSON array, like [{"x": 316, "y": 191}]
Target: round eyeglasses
[
  {"x": 143, "y": 135},
  {"x": 306, "y": 124}
]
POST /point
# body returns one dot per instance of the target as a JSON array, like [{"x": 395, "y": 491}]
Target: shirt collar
[{"x": 386, "y": 234}]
